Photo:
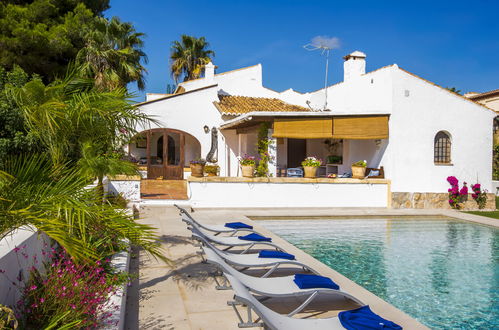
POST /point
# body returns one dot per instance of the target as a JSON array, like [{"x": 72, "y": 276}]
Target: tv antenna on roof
[{"x": 325, "y": 45}]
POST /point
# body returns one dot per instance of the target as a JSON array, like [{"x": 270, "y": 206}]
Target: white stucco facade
[{"x": 417, "y": 111}]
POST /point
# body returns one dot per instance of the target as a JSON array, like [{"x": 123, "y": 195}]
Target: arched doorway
[{"x": 166, "y": 160}]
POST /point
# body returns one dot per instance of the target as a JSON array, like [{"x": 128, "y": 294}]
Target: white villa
[{"x": 418, "y": 133}]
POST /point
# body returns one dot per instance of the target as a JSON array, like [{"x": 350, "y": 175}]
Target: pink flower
[
  {"x": 33, "y": 287},
  {"x": 452, "y": 180},
  {"x": 464, "y": 190}
]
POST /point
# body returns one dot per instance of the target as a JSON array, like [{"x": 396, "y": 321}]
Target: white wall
[
  {"x": 129, "y": 189},
  {"x": 246, "y": 82},
  {"x": 256, "y": 194},
  {"x": 192, "y": 149},
  {"x": 14, "y": 264},
  {"x": 407, "y": 156},
  {"x": 370, "y": 93},
  {"x": 190, "y": 113},
  {"x": 415, "y": 121}
]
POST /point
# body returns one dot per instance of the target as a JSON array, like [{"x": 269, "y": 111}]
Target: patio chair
[
  {"x": 273, "y": 320},
  {"x": 229, "y": 241},
  {"x": 217, "y": 229},
  {"x": 276, "y": 286},
  {"x": 252, "y": 260}
]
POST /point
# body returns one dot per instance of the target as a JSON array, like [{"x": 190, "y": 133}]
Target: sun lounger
[
  {"x": 229, "y": 241},
  {"x": 217, "y": 229},
  {"x": 252, "y": 260},
  {"x": 276, "y": 321},
  {"x": 275, "y": 286}
]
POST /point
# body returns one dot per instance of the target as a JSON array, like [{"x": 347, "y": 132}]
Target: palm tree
[
  {"x": 67, "y": 114},
  {"x": 189, "y": 56},
  {"x": 53, "y": 199},
  {"x": 93, "y": 164},
  {"x": 113, "y": 55}
]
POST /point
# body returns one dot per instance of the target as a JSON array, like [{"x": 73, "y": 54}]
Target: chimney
[
  {"x": 354, "y": 65},
  {"x": 209, "y": 71}
]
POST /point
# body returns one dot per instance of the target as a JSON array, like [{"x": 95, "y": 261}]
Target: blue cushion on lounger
[
  {"x": 275, "y": 254},
  {"x": 237, "y": 225},
  {"x": 365, "y": 318},
  {"x": 305, "y": 281},
  {"x": 256, "y": 238}
]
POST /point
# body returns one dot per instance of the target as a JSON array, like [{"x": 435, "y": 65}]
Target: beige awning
[
  {"x": 360, "y": 127},
  {"x": 337, "y": 127},
  {"x": 303, "y": 128}
]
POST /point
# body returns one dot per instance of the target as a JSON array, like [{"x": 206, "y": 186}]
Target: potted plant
[
  {"x": 197, "y": 167},
  {"x": 248, "y": 166},
  {"x": 331, "y": 159},
  {"x": 310, "y": 165},
  {"x": 211, "y": 169},
  {"x": 359, "y": 169}
]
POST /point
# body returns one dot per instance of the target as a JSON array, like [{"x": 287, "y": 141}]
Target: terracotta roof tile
[{"x": 236, "y": 105}]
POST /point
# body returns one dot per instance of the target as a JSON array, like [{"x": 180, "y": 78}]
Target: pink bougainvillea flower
[{"x": 453, "y": 180}]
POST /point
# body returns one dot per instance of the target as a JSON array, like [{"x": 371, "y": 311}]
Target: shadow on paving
[
  {"x": 175, "y": 239},
  {"x": 188, "y": 270},
  {"x": 135, "y": 296}
]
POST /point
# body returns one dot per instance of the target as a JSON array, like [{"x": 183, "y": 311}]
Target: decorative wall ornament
[{"x": 212, "y": 155}]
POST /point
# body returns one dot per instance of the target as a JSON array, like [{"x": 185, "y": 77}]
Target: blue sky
[{"x": 452, "y": 43}]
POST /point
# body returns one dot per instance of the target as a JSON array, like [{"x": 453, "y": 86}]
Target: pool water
[{"x": 441, "y": 271}]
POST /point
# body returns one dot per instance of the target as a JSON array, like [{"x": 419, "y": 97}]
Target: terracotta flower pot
[
  {"x": 310, "y": 171},
  {"x": 197, "y": 170},
  {"x": 248, "y": 170},
  {"x": 358, "y": 172}
]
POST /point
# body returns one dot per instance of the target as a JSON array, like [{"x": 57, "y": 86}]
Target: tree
[
  {"x": 53, "y": 199},
  {"x": 96, "y": 6},
  {"x": 44, "y": 36},
  {"x": 189, "y": 56},
  {"x": 94, "y": 164},
  {"x": 80, "y": 126},
  {"x": 68, "y": 113},
  {"x": 14, "y": 135},
  {"x": 112, "y": 55},
  {"x": 454, "y": 90}
]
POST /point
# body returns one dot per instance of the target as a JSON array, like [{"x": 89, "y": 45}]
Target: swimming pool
[{"x": 441, "y": 271}]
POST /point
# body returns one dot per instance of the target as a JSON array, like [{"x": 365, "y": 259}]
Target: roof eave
[{"x": 175, "y": 95}]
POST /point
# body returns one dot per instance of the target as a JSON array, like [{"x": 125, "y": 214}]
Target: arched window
[{"x": 442, "y": 148}]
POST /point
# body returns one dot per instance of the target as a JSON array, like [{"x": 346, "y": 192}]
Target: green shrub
[{"x": 117, "y": 200}]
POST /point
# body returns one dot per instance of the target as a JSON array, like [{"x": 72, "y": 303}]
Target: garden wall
[
  {"x": 129, "y": 188},
  {"x": 407, "y": 200},
  {"x": 28, "y": 244}
]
